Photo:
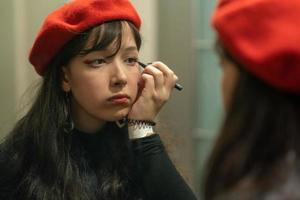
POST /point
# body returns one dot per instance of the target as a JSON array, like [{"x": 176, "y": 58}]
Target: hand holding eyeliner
[{"x": 177, "y": 86}]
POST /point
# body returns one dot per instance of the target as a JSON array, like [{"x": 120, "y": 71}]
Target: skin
[{"x": 94, "y": 79}]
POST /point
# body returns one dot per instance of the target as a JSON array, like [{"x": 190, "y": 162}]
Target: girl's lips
[{"x": 119, "y": 99}]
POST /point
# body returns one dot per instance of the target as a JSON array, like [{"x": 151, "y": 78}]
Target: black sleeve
[{"x": 159, "y": 177}]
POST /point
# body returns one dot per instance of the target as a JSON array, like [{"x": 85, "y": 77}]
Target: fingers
[
  {"x": 170, "y": 77},
  {"x": 163, "y": 75},
  {"x": 157, "y": 75},
  {"x": 157, "y": 83},
  {"x": 149, "y": 85}
]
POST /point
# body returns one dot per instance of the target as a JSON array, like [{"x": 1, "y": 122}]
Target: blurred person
[
  {"x": 256, "y": 154},
  {"x": 89, "y": 133}
]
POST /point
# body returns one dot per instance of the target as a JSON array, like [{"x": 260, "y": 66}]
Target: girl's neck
[
  {"x": 85, "y": 122},
  {"x": 90, "y": 128}
]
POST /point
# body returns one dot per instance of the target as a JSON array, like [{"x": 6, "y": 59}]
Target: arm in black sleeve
[{"x": 159, "y": 177}]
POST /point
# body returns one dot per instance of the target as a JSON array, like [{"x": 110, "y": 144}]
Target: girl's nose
[{"x": 119, "y": 76}]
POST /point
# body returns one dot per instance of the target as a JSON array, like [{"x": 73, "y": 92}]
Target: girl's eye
[
  {"x": 95, "y": 63},
  {"x": 131, "y": 61}
]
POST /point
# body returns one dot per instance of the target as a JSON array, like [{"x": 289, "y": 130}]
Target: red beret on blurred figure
[
  {"x": 263, "y": 36},
  {"x": 74, "y": 17}
]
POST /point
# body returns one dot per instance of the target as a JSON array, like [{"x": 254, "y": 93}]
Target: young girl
[
  {"x": 256, "y": 155},
  {"x": 89, "y": 133}
]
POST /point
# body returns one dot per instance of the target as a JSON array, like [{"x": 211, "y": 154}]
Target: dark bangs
[
  {"x": 99, "y": 38},
  {"x": 107, "y": 34}
]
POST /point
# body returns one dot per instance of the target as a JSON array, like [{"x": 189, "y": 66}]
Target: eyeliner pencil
[{"x": 177, "y": 86}]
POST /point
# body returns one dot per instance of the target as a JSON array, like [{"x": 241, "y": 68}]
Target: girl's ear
[{"x": 66, "y": 85}]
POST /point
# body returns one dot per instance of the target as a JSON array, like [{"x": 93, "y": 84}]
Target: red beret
[
  {"x": 74, "y": 17},
  {"x": 264, "y": 36}
]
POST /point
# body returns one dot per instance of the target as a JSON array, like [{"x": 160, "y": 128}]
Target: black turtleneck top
[{"x": 154, "y": 176}]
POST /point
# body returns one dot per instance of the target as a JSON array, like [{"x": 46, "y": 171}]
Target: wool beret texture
[
  {"x": 264, "y": 37},
  {"x": 76, "y": 16}
]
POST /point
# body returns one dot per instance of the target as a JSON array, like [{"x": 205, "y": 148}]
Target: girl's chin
[{"x": 120, "y": 115}]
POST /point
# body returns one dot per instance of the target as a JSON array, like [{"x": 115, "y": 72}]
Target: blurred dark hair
[
  {"x": 256, "y": 154},
  {"x": 41, "y": 151}
]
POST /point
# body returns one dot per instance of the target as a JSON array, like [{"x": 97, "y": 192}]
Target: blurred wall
[
  {"x": 149, "y": 30},
  {"x": 7, "y": 70}
]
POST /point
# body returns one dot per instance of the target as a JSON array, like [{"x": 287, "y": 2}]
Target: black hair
[
  {"x": 258, "y": 147},
  {"x": 42, "y": 153}
]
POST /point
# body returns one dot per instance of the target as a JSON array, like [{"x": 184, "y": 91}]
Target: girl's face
[
  {"x": 229, "y": 78},
  {"x": 104, "y": 87}
]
